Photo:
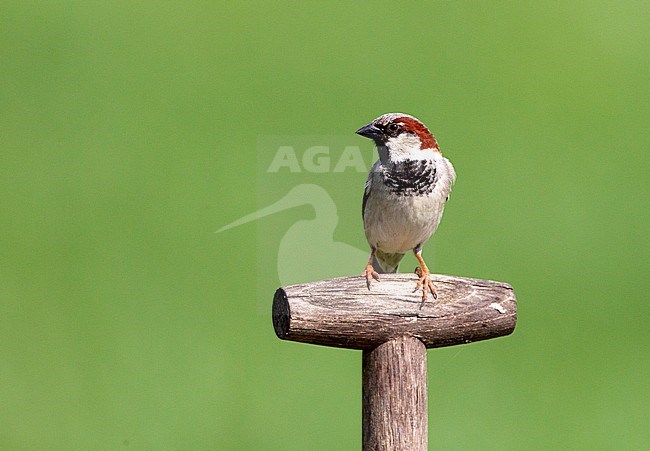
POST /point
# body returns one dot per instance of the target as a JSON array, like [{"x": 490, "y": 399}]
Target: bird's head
[{"x": 399, "y": 136}]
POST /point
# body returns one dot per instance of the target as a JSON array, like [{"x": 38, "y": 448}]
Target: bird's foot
[
  {"x": 426, "y": 284},
  {"x": 370, "y": 274}
]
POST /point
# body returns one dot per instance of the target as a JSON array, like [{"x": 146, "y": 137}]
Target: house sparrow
[{"x": 405, "y": 194}]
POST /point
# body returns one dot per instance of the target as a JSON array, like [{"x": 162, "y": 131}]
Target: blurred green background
[{"x": 129, "y": 134}]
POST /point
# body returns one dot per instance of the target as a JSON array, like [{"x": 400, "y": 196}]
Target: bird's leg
[
  {"x": 425, "y": 278},
  {"x": 370, "y": 272}
]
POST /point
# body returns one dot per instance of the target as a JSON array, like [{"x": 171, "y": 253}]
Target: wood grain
[
  {"x": 342, "y": 312},
  {"x": 395, "y": 396}
]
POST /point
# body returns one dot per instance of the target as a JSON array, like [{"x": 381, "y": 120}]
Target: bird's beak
[{"x": 370, "y": 131}]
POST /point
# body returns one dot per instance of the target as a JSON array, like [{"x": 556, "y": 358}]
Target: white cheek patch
[{"x": 406, "y": 146}]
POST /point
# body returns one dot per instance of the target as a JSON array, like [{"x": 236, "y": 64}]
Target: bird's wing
[
  {"x": 366, "y": 194},
  {"x": 366, "y": 191}
]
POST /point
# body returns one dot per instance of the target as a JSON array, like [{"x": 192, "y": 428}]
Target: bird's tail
[{"x": 385, "y": 263}]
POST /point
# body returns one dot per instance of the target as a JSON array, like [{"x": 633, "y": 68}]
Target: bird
[{"x": 404, "y": 196}]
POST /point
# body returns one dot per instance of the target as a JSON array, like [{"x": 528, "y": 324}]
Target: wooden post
[
  {"x": 394, "y": 396},
  {"x": 388, "y": 324}
]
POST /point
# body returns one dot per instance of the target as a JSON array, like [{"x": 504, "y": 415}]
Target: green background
[{"x": 129, "y": 134}]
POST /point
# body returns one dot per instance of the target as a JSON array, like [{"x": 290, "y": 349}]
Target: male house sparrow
[{"x": 405, "y": 194}]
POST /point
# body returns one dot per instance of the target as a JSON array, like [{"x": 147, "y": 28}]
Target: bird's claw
[
  {"x": 370, "y": 274},
  {"x": 426, "y": 284}
]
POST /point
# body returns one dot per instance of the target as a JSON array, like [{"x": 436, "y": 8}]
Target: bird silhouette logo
[{"x": 313, "y": 237}]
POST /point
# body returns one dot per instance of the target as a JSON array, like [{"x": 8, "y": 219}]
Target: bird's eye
[{"x": 392, "y": 127}]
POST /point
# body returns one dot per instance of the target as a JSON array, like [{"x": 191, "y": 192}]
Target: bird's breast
[{"x": 404, "y": 206}]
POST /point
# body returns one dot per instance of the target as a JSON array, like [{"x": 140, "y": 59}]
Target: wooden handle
[{"x": 342, "y": 312}]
